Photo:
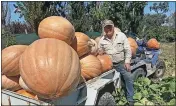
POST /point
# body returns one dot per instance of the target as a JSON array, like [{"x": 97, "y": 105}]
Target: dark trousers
[{"x": 128, "y": 80}]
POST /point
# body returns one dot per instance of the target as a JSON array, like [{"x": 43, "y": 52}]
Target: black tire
[
  {"x": 139, "y": 72},
  {"x": 106, "y": 99},
  {"x": 160, "y": 69}
]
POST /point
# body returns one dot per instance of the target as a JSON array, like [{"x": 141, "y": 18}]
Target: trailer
[{"x": 96, "y": 91}]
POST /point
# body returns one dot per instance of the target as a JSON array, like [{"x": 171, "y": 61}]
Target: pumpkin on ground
[
  {"x": 23, "y": 85},
  {"x": 90, "y": 67},
  {"x": 50, "y": 68},
  {"x": 106, "y": 62},
  {"x": 94, "y": 48},
  {"x": 26, "y": 93},
  {"x": 10, "y": 83},
  {"x": 10, "y": 59},
  {"x": 133, "y": 45},
  {"x": 84, "y": 44},
  {"x": 153, "y": 44},
  {"x": 56, "y": 27}
]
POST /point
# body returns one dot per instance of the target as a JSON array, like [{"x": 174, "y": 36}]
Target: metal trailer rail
[{"x": 85, "y": 94}]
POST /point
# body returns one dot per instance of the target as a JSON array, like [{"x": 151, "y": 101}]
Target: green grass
[{"x": 168, "y": 55}]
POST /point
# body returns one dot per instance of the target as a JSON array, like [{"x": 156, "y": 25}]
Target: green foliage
[
  {"x": 161, "y": 7},
  {"x": 7, "y": 38},
  {"x": 150, "y": 93}
]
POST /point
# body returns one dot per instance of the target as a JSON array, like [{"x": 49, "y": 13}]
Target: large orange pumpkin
[
  {"x": 10, "y": 59},
  {"x": 133, "y": 45},
  {"x": 94, "y": 48},
  {"x": 153, "y": 44},
  {"x": 90, "y": 67},
  {"x": 10, "y": 83},
  {"x": 84, "y": 44},
  {"x": 23, "y": 85},
  {"x": 50, "y": 68},
  {"x": 26, "y": 93},
  {"x": 98, "y": 39},
  {"x": 106, "y": 62},
  {"x": 56, "y": 27}
]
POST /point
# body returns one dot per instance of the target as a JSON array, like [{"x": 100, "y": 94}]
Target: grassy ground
[{"x": 168, "y": 55}]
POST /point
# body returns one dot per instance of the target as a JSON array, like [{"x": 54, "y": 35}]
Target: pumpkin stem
[{"x": 90, "y": 43}]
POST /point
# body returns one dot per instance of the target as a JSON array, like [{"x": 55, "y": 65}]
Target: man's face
[{"x": 109, "y": 30}]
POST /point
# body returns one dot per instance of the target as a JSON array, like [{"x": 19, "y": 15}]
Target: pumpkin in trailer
[
  {"x": 153, "y": 44},
  {"x": 23, "y": 85},
  {"x": 26, "y": 93},
  {"x": 94, "y": 48},
  {"x": 56, "y": 27},
  {"x": 10, "y": 83},
  {"x": 106, "y": 62},
  {"x": 90, "y": 67},
  {"x": 10, "y": 59},
  {"x": 98, "y": 39},
  {"x": 50, "y": 68},
  {"x": 84, "y": 44}
]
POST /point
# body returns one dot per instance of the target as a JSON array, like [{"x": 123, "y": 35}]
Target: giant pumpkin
[
  {"x": 10, "y": 83},
  {"x": 10, "y": 59},
  {"x": 133, "y": 45},
  {"x": 94, "y": 48},
  {"x": 23, "y": 85},
  {"x": 84, "y": 44},
  {"x": 26, "y": 93},
  {"x": 50, "y": 68},
  {"x": 153, "y": 44},
  {"x": 90, "y": 67},
  {"x": 98, "y": 39},
  {"x": 56, "y": 27},
  {"x": 106, "y": 62}
]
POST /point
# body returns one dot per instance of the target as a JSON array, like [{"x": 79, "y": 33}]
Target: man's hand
[{"x": 127, "y": 66}]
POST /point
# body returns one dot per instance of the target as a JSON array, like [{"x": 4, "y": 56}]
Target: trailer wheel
[
  {"x": 160, "y": 69},
  {"x": 138, "y": 73},
  {"x": 106, "y": 99}
]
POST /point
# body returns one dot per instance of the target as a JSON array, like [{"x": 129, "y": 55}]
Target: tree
[
  {"x": 35, "y": 12},
  {"x": 161, "y": 7},
  {"x": 6, "y": 36},
  {"x": 127, "y": 14}
]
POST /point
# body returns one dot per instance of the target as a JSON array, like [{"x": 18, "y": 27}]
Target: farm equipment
[{"x": 154, "y": 67}]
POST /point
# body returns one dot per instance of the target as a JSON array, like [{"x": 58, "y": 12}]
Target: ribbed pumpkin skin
[
  {"x": 94, "y": 48},
  {"x": 50, "y": 68},
  {"x": 56, "y": 27},
  {"x": 153, "y": 44},
  {"x": 23, "y": 85},
  {"x": 98, "y": 39},
  {"x": 10, "y": 59},
  {"x": 90, "y": 67},
  {"x": 133, "y": 45},
  {"x": 26, "y": 93},
  {"x": 106, "y": 62},
  {"x": 10, "y": 83},
  {"x": 84, "y": 44}
]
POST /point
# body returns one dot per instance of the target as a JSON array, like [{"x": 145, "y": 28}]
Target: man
[{"x": 115, "y": 43}]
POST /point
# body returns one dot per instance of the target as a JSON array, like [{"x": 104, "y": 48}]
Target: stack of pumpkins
[{"x": 54, "y": 65}]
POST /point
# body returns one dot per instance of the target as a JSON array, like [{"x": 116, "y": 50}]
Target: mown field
[{"x": 168, "y": 55}]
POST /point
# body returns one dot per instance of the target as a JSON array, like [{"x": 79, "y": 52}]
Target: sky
[{"x": 15, "y": 17}]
